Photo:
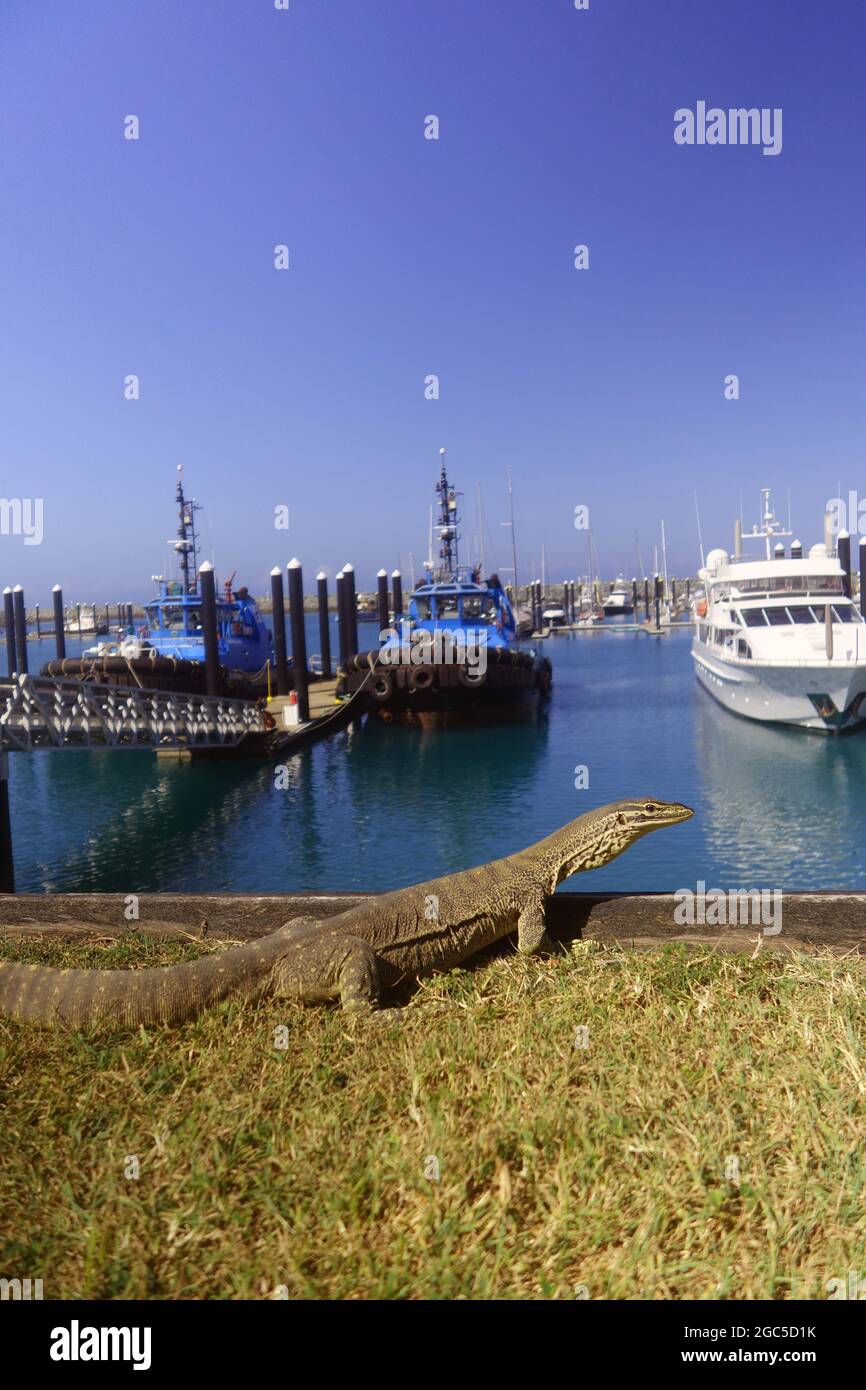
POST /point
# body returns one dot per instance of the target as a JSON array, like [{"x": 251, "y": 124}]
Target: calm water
[{"x": 379, "y": 806}]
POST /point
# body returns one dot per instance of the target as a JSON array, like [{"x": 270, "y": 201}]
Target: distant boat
[
  {"x": 619, "y": 600},
  {"x": 81, "y": 621},
  {"x": 778, "y": 638},
  {"x": 166, "y": 651},
  {"x": 456, "y": 656},
  {"x": 554, "y": 618}
]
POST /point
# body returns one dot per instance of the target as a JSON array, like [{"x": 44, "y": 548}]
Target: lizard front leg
[{"x": 532, "y": 938}]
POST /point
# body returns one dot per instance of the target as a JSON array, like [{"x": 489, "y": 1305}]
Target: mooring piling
[
  {"x": 382, "y": 596},
  {"x": 658, "y": 600},
  {"x": 299, "y": 639},
  {"x": 278, "y": 613},
  {"x": 397, "y": 595},
  {"x": 646, "y": 599},
  {"x": 20, "y": 628},
  {"x": 634, "y": 602},
  {"x": 340, "y": 586},
  {"x": 9, "y": 621},
  {"x": 862, "y": 558},
  {"x": 207, "y": 589},
  {"x": 843, "y": 548},
  {"x": 324, "y": 625},
  {"x": 59, "y": 634},
  {"x": 7, "y": 865},
  {"x": 351, "y": 602}
]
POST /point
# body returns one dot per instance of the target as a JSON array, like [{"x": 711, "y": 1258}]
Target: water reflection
[{"x": 779, "y": 805}]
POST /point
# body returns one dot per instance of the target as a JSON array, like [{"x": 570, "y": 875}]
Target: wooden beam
[{"x": 836, "y": 920}]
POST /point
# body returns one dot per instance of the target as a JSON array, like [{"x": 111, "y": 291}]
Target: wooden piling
[
  {"x": 658, "y": 599},
  {"x": 207, "y": 589},
  {"x": 278, "y": 613},
  {"x": 9, "y": 619},
  {"x": 646, "y": 599},
  {"x": 59, "y": 632},
  {"x": 397, "y": 595},
  {"x": 36, "y": 614},
  {"x": 324, "y": 625},
  {"x": 20, "y": 628},
  {"x": 299, "y": 639}
]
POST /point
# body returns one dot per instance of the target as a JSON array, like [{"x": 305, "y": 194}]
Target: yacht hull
[{"x": 828, "y": 697}]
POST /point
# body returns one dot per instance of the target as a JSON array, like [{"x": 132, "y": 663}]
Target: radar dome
[
  {"x": 717, "y": 558},
  {"x": 818, "y": 552}
]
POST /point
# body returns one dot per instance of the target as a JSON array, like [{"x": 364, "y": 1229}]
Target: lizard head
[{"x": 599, "y": 836}]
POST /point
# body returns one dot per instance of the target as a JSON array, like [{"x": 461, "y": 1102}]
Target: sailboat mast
[{"x": 513, "y": 539}]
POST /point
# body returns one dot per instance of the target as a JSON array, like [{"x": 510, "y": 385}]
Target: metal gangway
[
  {"x": 38, "y": 712},
  {"x": 43, "y": 713}
]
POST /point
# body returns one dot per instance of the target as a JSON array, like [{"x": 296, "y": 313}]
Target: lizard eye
[{"x": 650, "y": 806}]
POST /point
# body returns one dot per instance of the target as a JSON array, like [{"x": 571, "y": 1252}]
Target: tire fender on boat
[
  {"x": 382, "y": 687},
  {"x": 420, "y": 678}
]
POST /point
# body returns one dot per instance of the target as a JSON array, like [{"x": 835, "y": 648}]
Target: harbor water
[{"x": 380, "y": 806}]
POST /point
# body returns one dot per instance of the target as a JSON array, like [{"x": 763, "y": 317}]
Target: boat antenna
[
  {"x": 447, "y": 527},
  {"x": 700, "y": 537},
  {"x": 186, "y": 544}
]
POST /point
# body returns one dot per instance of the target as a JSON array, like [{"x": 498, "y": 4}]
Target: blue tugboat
[
  {"x": 167, "y": 650},
  {"x": 455, "y": 657},
  {"x": 173, "y": 622}
]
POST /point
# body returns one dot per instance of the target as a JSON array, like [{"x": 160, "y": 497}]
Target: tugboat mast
[
  {"x": 186, "y": 544},
  {"x": 447, "y": 527}
]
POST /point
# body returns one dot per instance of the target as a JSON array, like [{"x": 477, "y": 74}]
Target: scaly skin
[{"x": 357, "y": 955}]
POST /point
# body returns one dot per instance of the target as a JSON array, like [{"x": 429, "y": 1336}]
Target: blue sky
[{"x": 409, "y": 257}]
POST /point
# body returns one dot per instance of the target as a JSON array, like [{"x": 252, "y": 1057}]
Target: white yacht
[
  {"x": 779, "y": 638},
  {"x": 619, "y": 600}
]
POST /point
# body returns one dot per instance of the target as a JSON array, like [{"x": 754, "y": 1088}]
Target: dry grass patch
[{"x": 707, "y": 1143}]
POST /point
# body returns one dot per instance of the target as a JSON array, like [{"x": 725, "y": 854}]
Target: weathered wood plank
[{"x": 837, "y": 920}]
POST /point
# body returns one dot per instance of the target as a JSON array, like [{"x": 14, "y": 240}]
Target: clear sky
[{"x": 410, "y": 257}]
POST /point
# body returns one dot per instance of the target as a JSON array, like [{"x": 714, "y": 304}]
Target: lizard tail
[{"x": 126, "y": 998}]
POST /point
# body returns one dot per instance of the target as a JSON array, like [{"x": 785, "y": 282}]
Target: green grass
[{"x": 559, "y": 1167}]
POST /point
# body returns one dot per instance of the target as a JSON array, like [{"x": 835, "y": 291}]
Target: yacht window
[
  {"x": 801, "y": 614},
  {"x": 422, "y": 608},
  {"x": 472, "y": 606},
  {"x": 843, "y": 615},
  {"x": 743, "y": 648},
  {"x": 754, "y": 617},
  {"x": 777, "y": 617}
]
